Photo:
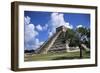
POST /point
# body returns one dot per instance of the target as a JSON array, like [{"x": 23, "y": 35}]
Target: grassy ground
[{"x": 55, "y": 56}]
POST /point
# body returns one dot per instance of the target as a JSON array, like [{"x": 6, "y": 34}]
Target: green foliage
[
  {"x": 84, "y": 35},
  {"x": 77, "y": 36},
  {"x": 71, "y": 37},
  {"x": 56, "y": 56},
  {"x": 70, "y": 33}
]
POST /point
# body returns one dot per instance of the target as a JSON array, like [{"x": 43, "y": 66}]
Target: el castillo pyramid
[{"x": 56, "y": 43}]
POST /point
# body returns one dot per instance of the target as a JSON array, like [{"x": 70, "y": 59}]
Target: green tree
[
  {"x": 84, "y": 35},
  {"x": 71, "y": 37},
  {"x": 78, "y": 37}
]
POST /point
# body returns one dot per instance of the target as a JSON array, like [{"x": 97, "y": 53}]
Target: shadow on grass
[{"x": 62, "y": 58}]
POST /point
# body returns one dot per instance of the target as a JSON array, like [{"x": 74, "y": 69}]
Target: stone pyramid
[{"x": 56, "y": 43}]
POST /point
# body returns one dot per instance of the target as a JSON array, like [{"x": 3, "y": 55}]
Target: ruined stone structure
[{"x": 56, "y": 43}]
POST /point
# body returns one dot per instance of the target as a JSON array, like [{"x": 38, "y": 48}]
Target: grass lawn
[{"x": 55, "y": 56}]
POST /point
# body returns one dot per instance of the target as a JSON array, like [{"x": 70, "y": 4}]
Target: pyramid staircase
[{"x": 56, "y": 43}]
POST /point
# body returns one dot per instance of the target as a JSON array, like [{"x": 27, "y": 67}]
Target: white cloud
[
  {"x": 69, "y": 26},
  {"x": 57, "y": 20},
  {"x": 26, "y": 20},
  {"x": 50, "y": 34},
  {"x": 45, "y": 27},
  {"x": 42, "y": 28},
  {"x": 37, "y": 43},
  {"x": 30, "y": 32},
  {"x": 41, "y": 43},
  {"x": 79, "y": 26},
  {"x": 31, "y": 42},
  {"x": 39, "y": 27}
]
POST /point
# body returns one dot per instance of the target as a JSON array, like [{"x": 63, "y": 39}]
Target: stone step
[
  {"x": 57, "y": 48},
  {"x": 54, "y": 46}
]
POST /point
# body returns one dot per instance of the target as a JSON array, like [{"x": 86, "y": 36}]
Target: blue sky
[{"x": 39, "y": 26}]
